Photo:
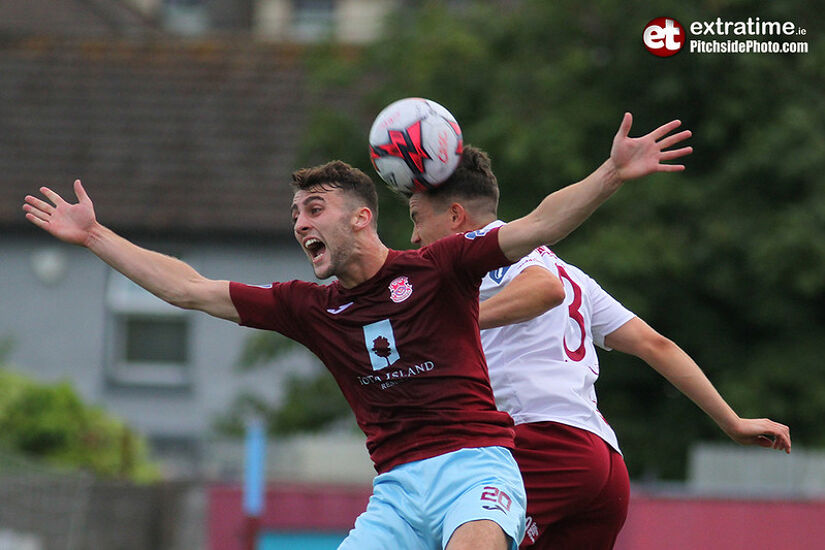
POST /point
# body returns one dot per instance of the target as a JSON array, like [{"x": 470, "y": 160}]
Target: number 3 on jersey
[{"x": 574, "y": 312}]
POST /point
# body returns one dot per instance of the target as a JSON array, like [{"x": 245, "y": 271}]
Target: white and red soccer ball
[{"x": 415, "y": 145}]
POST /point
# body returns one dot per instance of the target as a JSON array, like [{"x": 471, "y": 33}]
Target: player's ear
[
  {"x": 362, "y": 217},
  {"x": 458, "y": 215}
]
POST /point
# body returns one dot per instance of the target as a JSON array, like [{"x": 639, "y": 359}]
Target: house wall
[{"x": 58, "y": 330}]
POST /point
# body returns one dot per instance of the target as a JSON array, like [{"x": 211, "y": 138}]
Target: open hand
[
  {"x": 637, "y": 157},
  {"x": 71, "y": 223}
]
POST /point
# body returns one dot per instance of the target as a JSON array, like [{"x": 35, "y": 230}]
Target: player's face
[
  {"x": 321, "y": 224},
  {"x": 430, "y": 222}
]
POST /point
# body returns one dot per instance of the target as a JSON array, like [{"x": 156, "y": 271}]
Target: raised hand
[
  {"x": 762, "y": 432},
  {"x": 638, "y": 157},
  {"x": 71, "y": 223}
]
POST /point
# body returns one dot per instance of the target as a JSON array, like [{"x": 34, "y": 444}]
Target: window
[
  {"x": 147, "y": 340},
  {"x": 186, "y": 17},
  {"x": 313, "y": 19}
]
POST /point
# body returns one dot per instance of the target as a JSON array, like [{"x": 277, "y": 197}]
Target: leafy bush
[{"x": 51, "y": 422}]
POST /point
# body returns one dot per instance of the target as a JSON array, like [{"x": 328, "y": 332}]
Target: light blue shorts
[{"x": 418, "y": 505}]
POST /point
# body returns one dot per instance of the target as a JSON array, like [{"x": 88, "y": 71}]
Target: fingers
[
  {"x": 38, "y": 204},
  {"x": 80, "y": 192},
  {"x": 669, "y": 141},
  {"x": 624, "y": 127},
  {"x": 665, "y": 129},
  {"x": 670, "y": 168},
  {"x": 675, "y": 154},
  {"x": 51, "y": 195},
  {"x": 39, "y": 222}
]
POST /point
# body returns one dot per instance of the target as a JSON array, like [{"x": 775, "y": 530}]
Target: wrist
[
  {"x": 95, "y": 234},
  {"x": 611, "y": 174}
]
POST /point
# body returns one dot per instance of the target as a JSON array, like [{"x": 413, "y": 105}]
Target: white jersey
[{"x": 545, "y": 369}]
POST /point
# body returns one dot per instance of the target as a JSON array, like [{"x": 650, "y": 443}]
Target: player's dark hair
[
  {"x": 339, "y": 175},
  {"x": 473, "y": 180}
]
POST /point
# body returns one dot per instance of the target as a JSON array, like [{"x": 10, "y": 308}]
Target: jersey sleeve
[
  {"x": 534, "y": 258},
  {"x": 608, "y": 314},
  {"x": 274, "y": 307},
  {"x": 468, "y": 256}
]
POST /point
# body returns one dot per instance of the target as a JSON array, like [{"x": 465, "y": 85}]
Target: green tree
[
  {"x": 312, "y": 402},
  {"x": 51, "y": 422},
  {"x": 728, "y": 259}
]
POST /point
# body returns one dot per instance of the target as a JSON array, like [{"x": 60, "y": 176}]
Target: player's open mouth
[{"x": 315, "y": 248}]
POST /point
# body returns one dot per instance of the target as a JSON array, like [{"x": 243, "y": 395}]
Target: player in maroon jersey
[{"x": 398, "y": 331}]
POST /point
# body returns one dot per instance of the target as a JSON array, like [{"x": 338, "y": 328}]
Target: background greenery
[
  {"x": 52, "y": 423},
  {"x": 728, "y": 258}
]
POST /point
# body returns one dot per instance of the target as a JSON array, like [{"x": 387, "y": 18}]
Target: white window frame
[{"x": 125, "y": 300}]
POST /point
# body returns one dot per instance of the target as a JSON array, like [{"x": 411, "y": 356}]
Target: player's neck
[
  {"x": 477, "y": 222},
  {"x": 366, "y": 259}
]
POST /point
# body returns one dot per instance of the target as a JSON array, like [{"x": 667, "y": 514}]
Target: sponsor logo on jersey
[
  {"x": 339, "y": 309},
  {"x": 380, "y": 341},
  {"x": 400, "y": 289},
  {"x": 390, "y": 378},
  {"x": 477, "y": 233}
]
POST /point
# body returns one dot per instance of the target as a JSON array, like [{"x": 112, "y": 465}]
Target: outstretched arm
[
  {"x": 637, "y": 338},
  {"x": 563, "y": 211},
  {"x": 167, "y": 278}
]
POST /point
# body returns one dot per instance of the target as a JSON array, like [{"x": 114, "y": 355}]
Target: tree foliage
[
  {"x": 311, "y": 403},
  {"x": 50, "y": 421},
  {"x": 728, "y": 259}
]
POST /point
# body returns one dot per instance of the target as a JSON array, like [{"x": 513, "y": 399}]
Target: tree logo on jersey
[
  {"x": 400, "y": 289},
  {"x": 381, "y": 348},
  {"x": 379, "y": 339}
]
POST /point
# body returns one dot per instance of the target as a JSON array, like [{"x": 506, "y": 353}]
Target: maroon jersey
[{"x": 403, "y": 346}]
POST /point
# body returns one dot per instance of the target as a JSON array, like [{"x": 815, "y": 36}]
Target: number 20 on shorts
[{"x": 501, "y": 501}]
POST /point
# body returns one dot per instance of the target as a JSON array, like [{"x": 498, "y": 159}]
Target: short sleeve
[
  {"x": 271, "y": 307},
  {"x": 608, "y": 314},
  {"x": 468, "y": 255},
  {"x": 534, "y": 258}
]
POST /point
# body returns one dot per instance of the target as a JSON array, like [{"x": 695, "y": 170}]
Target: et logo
[{"x": 664, "y": 36}]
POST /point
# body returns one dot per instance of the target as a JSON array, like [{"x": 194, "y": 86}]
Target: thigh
[
  {"x": 598, "y": 526},
  {"x": 386, "y": 523},
  {"x": 569, "y": 474},
  {"x": 482, "y": 484}
]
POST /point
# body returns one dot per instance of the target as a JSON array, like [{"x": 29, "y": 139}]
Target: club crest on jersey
[{"x": 400, "y": 289}]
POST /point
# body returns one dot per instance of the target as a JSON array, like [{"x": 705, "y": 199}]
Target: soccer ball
[{"x": 415, "y": 145}]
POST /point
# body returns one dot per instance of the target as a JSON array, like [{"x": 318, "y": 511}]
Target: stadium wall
[{"x": 654, "y": 521}]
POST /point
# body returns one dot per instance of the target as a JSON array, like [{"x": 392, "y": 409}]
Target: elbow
[
  {"x": 549, "y": 295},
  {"x": 655, "y": 345},
  {"x": 553, "y": 296}
]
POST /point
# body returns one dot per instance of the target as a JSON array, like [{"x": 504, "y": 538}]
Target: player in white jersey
[{"x": 543, "y": 368}]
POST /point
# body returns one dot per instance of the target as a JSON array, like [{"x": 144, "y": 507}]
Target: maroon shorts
[{"x": 577, "y": 487}]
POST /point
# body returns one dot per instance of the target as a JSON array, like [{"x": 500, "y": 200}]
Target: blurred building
[{"x": 186, "y": 145}]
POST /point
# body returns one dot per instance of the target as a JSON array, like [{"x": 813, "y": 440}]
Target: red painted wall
[
  {"x": 722, "y": 524},
  {"x": 654, "y": 522}
]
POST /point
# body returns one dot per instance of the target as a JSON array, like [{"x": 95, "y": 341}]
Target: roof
[
  {"x": 167, "y": 135},
  {"x": 72, "y": 17}
]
